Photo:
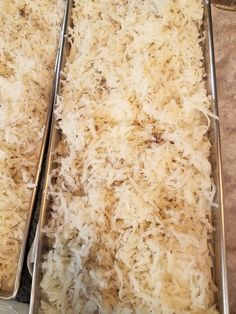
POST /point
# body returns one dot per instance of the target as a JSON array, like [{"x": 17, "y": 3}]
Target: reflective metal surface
[
  {"x": 220, "y": 265},
  {"x": 40, "y": 245}
]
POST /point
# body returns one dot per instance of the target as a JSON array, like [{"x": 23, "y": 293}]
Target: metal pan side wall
[
  {"x": 220, "y": 265},
  {"x": 41, "y": 246}
]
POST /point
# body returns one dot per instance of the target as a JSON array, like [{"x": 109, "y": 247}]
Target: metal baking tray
[
  {"x": 219, "y": 269},
  {"x": 11, "y": 294}
]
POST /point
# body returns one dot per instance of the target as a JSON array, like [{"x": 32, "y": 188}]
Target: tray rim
[{"x": 219, "y": 177}]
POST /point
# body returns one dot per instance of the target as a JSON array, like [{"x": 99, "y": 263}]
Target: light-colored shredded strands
[
  {"x": 28, "y": 40},
  {"x": 129, "y": 230}
]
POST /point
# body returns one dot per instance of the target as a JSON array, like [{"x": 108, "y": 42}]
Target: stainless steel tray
[
  {"x": 7, "y": 295},
  {"x": 220, "y": 273},
  {"x": 220, "y": 263}
]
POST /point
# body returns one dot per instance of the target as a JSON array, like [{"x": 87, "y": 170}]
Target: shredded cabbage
[{"x": 132, "y": 192}]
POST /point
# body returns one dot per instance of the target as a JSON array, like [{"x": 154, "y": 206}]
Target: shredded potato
[
  {"x": 28, "y": 39},
  {"x": 132, "y": 190}
]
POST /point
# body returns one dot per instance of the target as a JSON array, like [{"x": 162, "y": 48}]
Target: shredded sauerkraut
[
  {"x": 132, "y": 190},
  {"x": 28, "y": 39}
]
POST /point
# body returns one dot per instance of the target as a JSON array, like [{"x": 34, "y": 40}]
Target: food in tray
[
  {"x": 131, "y": 187},
  {"x": 28, "y": 40}
]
